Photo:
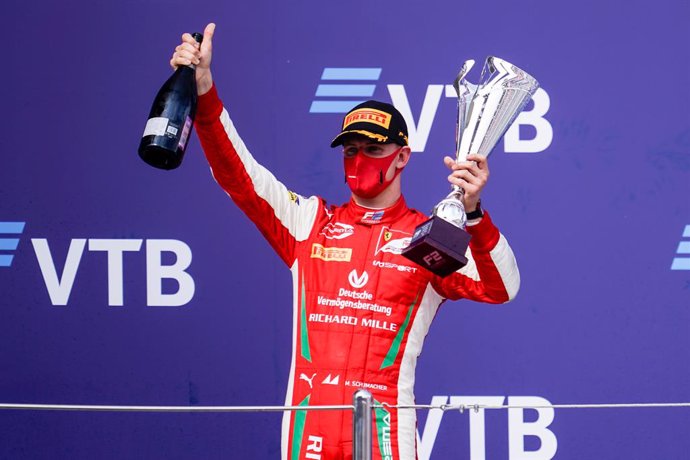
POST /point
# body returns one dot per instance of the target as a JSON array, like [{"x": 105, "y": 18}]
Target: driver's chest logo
[{"x": 358, "y": 281}]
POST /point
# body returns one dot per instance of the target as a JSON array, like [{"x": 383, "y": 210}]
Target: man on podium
[{"x": 361, "y": 309}]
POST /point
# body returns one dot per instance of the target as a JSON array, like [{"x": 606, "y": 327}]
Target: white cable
[
  {"x": 443, "y": 407},
  {"x": 476, "y": 407},
  {"x": 73, "y": 407}
]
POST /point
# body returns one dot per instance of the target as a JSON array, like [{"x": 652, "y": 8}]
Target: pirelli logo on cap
[
  {"x": 374, "y": 116},
  {"x": 330, "y": 254}
]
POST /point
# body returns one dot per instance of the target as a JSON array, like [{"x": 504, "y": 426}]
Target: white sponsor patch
[
  {"x": 395, "y": 246},
  {"x": 307, "y": 379},
  {"x": 358, "y": 384},
  {"x": 337, "y": 231},
  {"x": 392, "y": 241},
  {"x": 329, "y": 380},
  {"x": 358, "y": 281},
  {"x": 400, "y": 268}
]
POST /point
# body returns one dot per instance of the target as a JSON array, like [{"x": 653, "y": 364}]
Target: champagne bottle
[{"x": 171, "y": 118}]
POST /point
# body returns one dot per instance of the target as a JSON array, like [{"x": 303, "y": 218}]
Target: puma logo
[{"x": 307, "y": 379}]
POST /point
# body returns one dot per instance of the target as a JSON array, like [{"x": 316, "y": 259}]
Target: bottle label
[
  {"x": 155, "y": 126},
  {"x": 185, "y": 133}
]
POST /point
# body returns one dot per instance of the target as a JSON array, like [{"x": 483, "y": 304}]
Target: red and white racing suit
[{"x": 361, "y": 309}]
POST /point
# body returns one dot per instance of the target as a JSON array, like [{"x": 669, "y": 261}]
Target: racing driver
[{"x": 361, "y": 309}]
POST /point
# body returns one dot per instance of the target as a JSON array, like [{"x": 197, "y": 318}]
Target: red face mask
[{"x": 366, "y": 176}]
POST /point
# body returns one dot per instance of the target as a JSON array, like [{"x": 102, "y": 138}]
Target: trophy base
[{"x": 438, "y": 246}]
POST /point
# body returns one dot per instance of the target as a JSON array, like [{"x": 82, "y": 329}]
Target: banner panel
[{"x": 122, "y": 284}]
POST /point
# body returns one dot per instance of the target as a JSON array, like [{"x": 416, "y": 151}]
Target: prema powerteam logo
[
  {"x": 342, "y": 88},
  {"x": 60, "y": 283}
]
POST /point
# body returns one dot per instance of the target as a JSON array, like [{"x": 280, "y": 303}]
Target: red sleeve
[
  {"x": 283, "y": 217},
  {"x": 491, "y": 275}
]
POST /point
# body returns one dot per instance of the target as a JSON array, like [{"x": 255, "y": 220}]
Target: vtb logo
[
  {"x": 683, "y": 262},
  {"x": 9, "y": 232},
  {"x": 342, "y": 88},
  {"x": 59, "y": 284}
]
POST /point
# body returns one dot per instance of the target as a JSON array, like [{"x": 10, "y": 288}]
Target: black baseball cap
[{"x": 376, "y": 120}]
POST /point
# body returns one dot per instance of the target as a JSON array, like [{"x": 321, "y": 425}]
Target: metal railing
[{"x": 362, "y": 408}]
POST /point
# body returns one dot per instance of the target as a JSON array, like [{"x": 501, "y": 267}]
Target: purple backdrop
[{"x": 599, "y": 219}]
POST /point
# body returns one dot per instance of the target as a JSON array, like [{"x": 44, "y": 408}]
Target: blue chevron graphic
[
  {"x": 341, "y": 88},
  {"x": 9, "y": 244},
  {"x": 683, "y": 262}
]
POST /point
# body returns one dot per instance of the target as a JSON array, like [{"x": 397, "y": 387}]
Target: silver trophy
[{"x": 485, "y": 112}]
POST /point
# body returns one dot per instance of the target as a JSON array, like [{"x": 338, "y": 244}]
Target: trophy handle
[{"x": 465, "y": 92}]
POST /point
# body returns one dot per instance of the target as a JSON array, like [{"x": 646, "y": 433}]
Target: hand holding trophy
[{"x": 485, "y": 112}]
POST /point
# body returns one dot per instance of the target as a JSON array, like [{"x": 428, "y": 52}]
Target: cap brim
[{"x": 340, "y": 138}]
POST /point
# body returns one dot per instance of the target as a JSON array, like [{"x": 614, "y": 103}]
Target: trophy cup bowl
[{"x": 485, "y": 112}]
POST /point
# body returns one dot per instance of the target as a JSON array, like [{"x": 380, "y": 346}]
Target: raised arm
[
  {"x": 491, "y": 274},
  {"x": 283, "y": 217}
]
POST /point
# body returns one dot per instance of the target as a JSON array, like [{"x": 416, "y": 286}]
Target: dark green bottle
[{"x": 171, "y": 119}]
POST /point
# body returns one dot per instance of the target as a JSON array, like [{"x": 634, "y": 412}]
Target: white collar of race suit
[{"x": 370, "y": 216}]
